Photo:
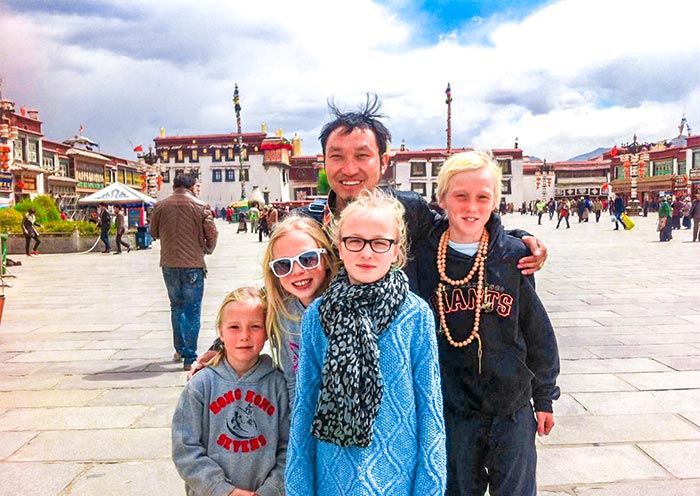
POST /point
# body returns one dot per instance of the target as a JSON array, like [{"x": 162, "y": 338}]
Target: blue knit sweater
[{"x": 407, "y": 454}]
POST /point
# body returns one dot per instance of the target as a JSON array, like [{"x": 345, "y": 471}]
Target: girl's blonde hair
[
  {"x": 245, "y": 293},
  {"x": 466, "y": 161},
  {"x": 377, "y": 199},
  {"x": 277, "y": 296}
]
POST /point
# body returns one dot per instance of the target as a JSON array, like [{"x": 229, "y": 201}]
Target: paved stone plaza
[{"x": 87, "y": 388}]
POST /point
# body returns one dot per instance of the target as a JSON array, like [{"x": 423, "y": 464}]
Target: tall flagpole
[
  {"x": 448, "y": 101},
  {"x": 237, "y": 108}
]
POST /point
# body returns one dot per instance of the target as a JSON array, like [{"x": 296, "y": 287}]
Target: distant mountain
[{"x": 588, "y": 156}]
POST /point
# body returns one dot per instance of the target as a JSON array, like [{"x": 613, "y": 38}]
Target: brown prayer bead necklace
[{"x": 441, "y": 292}]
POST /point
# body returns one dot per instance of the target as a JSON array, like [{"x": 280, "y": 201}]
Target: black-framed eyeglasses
[
  {"x": 309, "y": 259},
  {"x": 378, "y": 245}
]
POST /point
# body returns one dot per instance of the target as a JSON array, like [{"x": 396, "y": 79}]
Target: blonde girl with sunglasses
[{"x": 298, "y": 264}]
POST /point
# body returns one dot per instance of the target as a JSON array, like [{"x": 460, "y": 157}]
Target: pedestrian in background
[
  {"x": 695, "y": 215},
  {"x": 120, "y": 224},
  {"x": 272, "y": 218},
  {"x": 676, "y": 209},
  {"x": 254, "y": 215},
  {"x": 105, "y": 224},
  {"x": 665, "y": 224},
  {"x": 242, "y": 222},
  {"x": 685, "y": 212},
  {"x": 29, "y": 226},
  {"x": 564, "y": 209},
  {"x": 540, "y": 206},
  {"x": 187, "y": 232},
  {"x": 597, "y": 209},
  {"x": 618, "y": 210}
]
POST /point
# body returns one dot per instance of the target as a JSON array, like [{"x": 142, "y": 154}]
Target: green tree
[{"x": 322, "y": 187}]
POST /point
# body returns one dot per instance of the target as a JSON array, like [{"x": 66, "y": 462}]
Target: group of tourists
[
  {"x": 262, "y": 220},
  {"x": 672, "y": 210},
  {"x": 410, "y": 352}
]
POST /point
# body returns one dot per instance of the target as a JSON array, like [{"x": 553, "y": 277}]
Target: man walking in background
[
  {"x": 105, "y": 224},
  {"x": 186, "y": 229}
]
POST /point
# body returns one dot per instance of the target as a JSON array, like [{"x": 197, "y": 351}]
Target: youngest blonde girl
[{"x": 231, "y": 425}]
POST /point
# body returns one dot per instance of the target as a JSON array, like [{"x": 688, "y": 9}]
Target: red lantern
[{"x": 20, "y": 184}]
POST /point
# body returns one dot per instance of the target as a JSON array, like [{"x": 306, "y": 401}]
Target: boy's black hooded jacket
[{"x": 520, "y": 357}]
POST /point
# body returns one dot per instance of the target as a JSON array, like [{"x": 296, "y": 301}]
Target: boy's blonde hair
[
  {"x": 245, "y": 293},
  {"x": 377, "y": 199},
  {"x": 277, "y": 296},
  {"x": 466, "y": 161}
]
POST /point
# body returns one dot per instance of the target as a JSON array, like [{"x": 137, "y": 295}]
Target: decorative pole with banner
[
  {"x": 634, "y": 161},
  {"x": 239, "y": 145},
  {"x": 448, "y": 101}
]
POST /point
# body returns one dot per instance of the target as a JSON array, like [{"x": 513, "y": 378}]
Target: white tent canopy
[{"x": 117, "y": 194}]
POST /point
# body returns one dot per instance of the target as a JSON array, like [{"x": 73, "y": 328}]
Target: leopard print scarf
[{"x": 353, "y": 316}]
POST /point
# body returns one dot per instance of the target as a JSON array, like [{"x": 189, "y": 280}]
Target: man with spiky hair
[{"x": 355, "y": 152}]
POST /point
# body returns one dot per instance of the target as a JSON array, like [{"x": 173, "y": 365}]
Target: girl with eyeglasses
[
  {"x": 368, "y": 412},
  {"x": 298, "y": 264}
]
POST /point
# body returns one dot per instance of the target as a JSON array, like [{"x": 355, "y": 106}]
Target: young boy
[{"x": 498, "y": 353}]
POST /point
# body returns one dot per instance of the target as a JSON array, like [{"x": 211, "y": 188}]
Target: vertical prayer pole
[
  {"x": 448, "y": 101},
  {"x": 237, "y": 108}
]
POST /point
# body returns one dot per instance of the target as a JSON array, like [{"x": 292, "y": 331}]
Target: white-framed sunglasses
[{"x": 309, "y": 259}]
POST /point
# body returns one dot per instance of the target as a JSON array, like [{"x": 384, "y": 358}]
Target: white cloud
[{"x": 572, "y": 76}]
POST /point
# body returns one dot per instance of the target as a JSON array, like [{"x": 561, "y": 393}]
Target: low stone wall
[{"x": 63, "y": 242}]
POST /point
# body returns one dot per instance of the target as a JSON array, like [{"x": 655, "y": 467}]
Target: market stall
[{"x": 134, "y": 201}]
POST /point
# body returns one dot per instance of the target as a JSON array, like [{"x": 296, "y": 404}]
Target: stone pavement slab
[
  {"x": 108, "y": 445},
  {"x": 138, "y": 396},
  {"x": 680, "y": 363},
  {"x": 576, "y": 383},
  {"x": 664, "y": 380},
  {"x": 613, "y": 365},
  {"x": 62, "y": 356},
  {"x": 587, "y": 465},
  {"x": 649, "y": 488},
  {"x": 694, "y": 415},
  {"x": 620, "y": 429},
  {"x": 71, "y": 418},
  {"x": 46, "y": 398},
  {"x": 679, "y": 458},
  {"x": 640, "y": 351},
  {"x": 639, "y": 402},
  {"x": 37, "y": 478},
  {"x": 11, "y": 441},
  {"x": 118, "y": 479},
  {"x": 164, "y": 378}
]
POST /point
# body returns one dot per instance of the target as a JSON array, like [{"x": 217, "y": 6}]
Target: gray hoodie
[{"x": 231, "y": 432}]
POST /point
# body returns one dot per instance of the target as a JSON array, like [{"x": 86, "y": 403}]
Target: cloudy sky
[{"x": 564, "y": 77}]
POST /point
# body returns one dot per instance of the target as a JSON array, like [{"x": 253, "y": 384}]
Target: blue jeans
[
  {"x": 498, "y": 452},
  {"x": 104, "y": 236},
  {"x": 185, "y": 291}
]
